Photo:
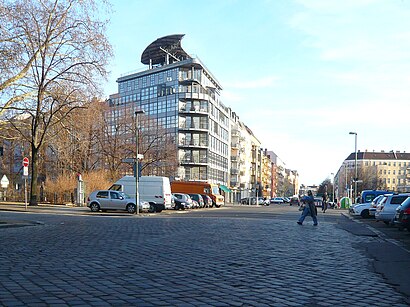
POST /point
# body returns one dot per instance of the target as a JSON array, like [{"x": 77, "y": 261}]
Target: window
[
  {"x": 114, "y": 195},
  {"x": 102, "y": 194},
  {"x": 397, "y": 200}
]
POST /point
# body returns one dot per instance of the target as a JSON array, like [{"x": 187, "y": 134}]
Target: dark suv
[{"x": 402, "y": 218}]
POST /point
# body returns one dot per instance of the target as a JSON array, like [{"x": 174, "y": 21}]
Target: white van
[{"x": 153, "y": 189}]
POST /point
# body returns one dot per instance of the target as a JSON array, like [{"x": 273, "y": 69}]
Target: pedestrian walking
[
  {"x": 324, "y": 202},
  {"x": 309, "y": 208}
]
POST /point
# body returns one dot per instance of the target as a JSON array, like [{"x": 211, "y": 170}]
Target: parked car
[
  {"x": 180, "y": 204},
  {"x": 286, "y": 199},
  {"x": 185, "y": 198},
  {"x": 402, "y": 218},
  {"x": 248, "y": 200},
  {"x": 198, "y": 198},
  {"x": 318, "y": 201},
  {"x": 294, "y": 201},
  {"x": 277, "y": 200},
  {"x": 387, "y": 211},
  {"x": 363, "y": 210},
  {"x": 114, "y": 200},
  {"x": 207, "y": 200},
  {"x": 378, "y": 200}
]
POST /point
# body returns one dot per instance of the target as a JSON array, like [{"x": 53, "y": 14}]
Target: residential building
[
  {"x": 182, "y": 99},
  {"x": 376, "y": 170},
  {"x": 266, "y": 174}
]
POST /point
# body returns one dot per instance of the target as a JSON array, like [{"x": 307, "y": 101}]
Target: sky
[{"x": 301, "y": 74}]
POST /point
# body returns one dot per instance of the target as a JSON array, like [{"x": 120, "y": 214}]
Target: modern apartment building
[
  {"x": 376, "y": 170},
  {"x": 182, "y": 99}
]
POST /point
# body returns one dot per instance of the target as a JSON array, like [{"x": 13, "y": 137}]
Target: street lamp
[
  {"x": 137, "y": 199},
  {"x": 355, "y": 164},
  {"x": 333, "y": 188}
]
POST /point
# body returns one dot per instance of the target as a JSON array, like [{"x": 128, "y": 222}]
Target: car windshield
[
  {"x": 215, "y": 190},
  {"x": 126, "y": 196}
]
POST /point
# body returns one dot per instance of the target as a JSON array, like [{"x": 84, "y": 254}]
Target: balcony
[
  {"x": 235, "y": 132},
  {"x": 197, "y": 127},
  {"x": 187, "y": 161},
  {"x": 186, "y": 143},
  {"x": 195, "y": 110},
  {"x": 234, "y": 171}
]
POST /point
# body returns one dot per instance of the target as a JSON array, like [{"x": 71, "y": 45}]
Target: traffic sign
[
  {"x": 25, "y": 161},
  {"x": 4, "y": 182}
]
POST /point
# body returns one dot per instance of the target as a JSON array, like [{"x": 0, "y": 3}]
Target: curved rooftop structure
[{"x": 164, "y": 50}]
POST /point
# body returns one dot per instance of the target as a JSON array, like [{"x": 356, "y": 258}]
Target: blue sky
[{"x": 301, "y": 74}]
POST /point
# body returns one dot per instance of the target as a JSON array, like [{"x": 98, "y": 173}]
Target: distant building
[{"x": 376, "y": 170}]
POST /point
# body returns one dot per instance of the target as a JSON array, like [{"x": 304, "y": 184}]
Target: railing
[
  {"x": 193, "y": 127},
  {"x": 193, "y": 143}
]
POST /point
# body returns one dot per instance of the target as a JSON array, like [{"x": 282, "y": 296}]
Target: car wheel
[
  {"x": 365, "y": 214},
  {"x": 387, "y": 223},
  {"x": 131, "y": 208},
  {"x": 176, "y": 207},
  {"x": 152, "y": 208},
  {"x": 95, "y": 207}
]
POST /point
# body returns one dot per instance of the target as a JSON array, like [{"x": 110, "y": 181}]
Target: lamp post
[
  {"x": 333, "y": 188},
  {"x": 137, "y": 199},
  {"x": 355, "y": 164}
]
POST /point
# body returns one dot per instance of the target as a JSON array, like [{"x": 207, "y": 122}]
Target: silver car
[
  {"x": 386, "y": 211},
  {"x": 114, "y": 200}
]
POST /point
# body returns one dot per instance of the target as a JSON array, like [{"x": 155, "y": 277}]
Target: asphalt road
[{"x": 232, "y": 256}]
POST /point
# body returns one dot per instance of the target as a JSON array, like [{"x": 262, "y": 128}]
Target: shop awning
[{"x": 224, "y": 188}]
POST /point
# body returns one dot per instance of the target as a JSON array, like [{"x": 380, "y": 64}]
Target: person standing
[
  {"x": 308, "y": 209},
  {"x": 324, "y": 202}
]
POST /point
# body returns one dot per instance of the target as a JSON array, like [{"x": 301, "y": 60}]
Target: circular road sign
[{"x": 25, "y": 161}]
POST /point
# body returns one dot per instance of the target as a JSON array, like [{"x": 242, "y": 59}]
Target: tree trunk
[{"x": 34, "y": 175}]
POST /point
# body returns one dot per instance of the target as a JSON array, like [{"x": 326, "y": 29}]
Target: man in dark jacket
[{"x": 310, "y": 208}]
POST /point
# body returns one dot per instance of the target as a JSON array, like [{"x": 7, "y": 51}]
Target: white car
[
  {"x": 361, "y": 210},
  {"x": 378, "y": 200},
  {"x": 114, "y": 200},
  {"x": 277, "y": 200},
  {"x": 386, "y": 211}
]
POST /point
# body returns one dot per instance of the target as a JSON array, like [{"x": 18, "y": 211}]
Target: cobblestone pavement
[{"x": 178, "y": 260}]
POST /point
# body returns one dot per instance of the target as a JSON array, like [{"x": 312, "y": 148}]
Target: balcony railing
[
  {"x": 194, "y": 161},
  {"x": 234, "y": 171},
  {"x": 193, "y": 126},
  {"x": 195, "y": 110},
  {"x": 193, "y": 143}
]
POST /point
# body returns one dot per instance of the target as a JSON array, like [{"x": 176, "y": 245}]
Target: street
[{"x": 232, "y": 256}]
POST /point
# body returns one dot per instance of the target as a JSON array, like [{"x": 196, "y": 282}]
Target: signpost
[
  {"x": 4, "y": 184},
  {"x": 25, "y": 175}
]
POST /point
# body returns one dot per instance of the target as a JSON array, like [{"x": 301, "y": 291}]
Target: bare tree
[{"x": 66, "y": 50}]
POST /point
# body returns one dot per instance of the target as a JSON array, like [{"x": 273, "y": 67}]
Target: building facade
[
  {"x": 376, "y": 170},
  {"x": 182, "y": 99}
]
